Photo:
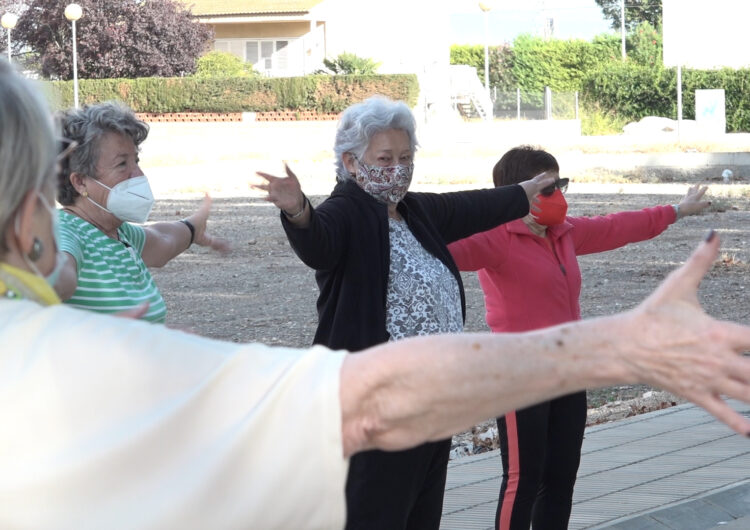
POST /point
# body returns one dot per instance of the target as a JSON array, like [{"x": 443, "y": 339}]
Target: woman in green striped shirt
[{"x": 103, "y": 191}]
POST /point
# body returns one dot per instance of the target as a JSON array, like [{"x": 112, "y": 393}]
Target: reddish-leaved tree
[{"x": 115, "y": 38}]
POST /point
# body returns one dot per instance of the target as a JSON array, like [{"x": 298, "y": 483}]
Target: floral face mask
[{"x": 387, "y": 184}]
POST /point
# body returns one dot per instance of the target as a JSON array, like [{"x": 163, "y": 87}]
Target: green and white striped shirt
[{"x": 111, "y": 274}]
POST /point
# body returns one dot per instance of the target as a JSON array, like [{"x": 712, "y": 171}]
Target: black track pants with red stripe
[{"x": 541, "y": 450}]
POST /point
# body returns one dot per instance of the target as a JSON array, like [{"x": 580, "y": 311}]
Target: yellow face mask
[{"x": 19, "y": 284}]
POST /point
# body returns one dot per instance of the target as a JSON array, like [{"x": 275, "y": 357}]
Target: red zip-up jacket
[{"x": 530, "y": 283}]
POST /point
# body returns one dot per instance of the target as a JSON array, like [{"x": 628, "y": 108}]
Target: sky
[{"x": 509, "y": 18}]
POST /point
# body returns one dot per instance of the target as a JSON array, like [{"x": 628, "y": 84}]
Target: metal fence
[{"x": 547, "y": 105}]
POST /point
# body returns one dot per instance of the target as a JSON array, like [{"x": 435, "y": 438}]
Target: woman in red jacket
[{"x": 530, "y": 277}]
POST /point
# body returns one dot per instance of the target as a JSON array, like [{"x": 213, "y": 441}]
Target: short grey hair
[
  {"x": 27, "y": 144},
  {"x": 360, "y": 122},
  {"x": 87, "y": 126}
]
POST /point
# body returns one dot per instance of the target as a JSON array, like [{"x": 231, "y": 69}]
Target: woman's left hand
[
  {"x": 691, "y": 203},
  {"x": 199, "y": 220},
  {"x": 533, "y": 186}
]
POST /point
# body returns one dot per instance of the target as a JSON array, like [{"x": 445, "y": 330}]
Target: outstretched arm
[
  {"x": 167, "y": 240},
  {"x": 403, "y": 393}
]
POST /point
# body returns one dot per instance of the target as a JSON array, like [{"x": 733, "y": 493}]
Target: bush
[
  {"x": 633, "y": 91},
  {"x": 349, "y": 64},
  {"x": 559, "y": 64},
  {"x": 223, "y": 64},
  {"x": 500, "y": 64},
  {"x": 238, "y": 94}
]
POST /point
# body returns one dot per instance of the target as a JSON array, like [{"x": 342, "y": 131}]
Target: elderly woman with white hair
[
  {"x": 385, "y": 273},
  {"x": 105, "y": 196}
]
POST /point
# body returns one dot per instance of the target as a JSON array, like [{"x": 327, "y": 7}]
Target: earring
[
  {"x": 84, "y": 193},
  {"x": 36, "y": 250}
]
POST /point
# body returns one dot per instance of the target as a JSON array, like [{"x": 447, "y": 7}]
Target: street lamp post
[
  {"x": 73, "y": 12},
  {"x": 9, "y": 21},
  {"x": 485, "y": 7}
]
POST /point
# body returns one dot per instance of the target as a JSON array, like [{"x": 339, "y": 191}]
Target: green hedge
[
  {"x": 321, "y": 93},
  {"x": 633, "y": 91}
]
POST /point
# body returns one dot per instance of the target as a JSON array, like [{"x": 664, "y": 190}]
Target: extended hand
[
  {"x": 533, "y": 186},
  {"x": 284, "y": 192},
  {"x": 199, "y": 220},
  {"x": 691, "y": 203},
  {"x": 683, "y": 350}
]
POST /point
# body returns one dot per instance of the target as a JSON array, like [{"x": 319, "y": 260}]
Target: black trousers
[
  {"x": 541, "y": 450},
  {"x": 397, "y": 490}
]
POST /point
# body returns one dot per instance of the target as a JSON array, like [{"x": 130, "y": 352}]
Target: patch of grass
[{"x": 595, "y": 122}]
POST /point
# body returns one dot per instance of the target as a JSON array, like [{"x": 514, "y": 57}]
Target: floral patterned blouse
[{"x": 423, "y": 296}]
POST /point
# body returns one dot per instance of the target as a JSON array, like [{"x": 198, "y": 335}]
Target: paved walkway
[{"x": 676, "y": 469}]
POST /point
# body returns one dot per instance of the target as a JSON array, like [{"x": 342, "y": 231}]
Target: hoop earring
[{"x": 36, "y": 250}]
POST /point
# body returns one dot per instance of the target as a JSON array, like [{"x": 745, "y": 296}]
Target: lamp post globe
[
  {"x": 9, "y": 20},
  {"x": 73, "y": 12}
]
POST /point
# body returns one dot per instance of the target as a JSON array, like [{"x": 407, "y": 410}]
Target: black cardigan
[{"x": 347, "y": 243}]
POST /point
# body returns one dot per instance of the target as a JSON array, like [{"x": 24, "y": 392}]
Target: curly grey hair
[
  {"x": 87, "y": 127},
  {"x": 27, "y": 144},
  {"x": 360, "y": 122}
]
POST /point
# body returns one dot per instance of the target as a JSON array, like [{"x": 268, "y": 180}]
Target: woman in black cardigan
[{"x": 385, "y": 273}]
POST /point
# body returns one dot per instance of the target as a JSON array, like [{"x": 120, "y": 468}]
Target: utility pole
[{"x": 622, "y": 27}]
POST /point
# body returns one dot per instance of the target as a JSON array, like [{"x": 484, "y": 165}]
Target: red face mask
[{"x": 552, "y": 209}]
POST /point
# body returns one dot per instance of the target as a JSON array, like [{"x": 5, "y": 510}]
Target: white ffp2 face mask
[{"x": 131, "y": 200}]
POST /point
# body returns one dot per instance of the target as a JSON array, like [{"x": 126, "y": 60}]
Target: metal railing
[{"x": 523, "y": 105}]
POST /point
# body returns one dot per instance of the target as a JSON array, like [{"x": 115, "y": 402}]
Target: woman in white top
[{"x": 115, "y": 423}]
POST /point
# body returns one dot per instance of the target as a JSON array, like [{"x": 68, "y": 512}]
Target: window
[{"x": 266, "y": 55}]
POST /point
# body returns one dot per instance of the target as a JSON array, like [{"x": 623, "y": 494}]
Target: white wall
[{"x": 706, "y": 34}]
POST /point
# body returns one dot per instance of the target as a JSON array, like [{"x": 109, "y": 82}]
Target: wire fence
[{"x": 521, "y": 105}]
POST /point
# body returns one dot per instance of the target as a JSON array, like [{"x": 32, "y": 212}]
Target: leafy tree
[
  {"x": 348, "y": 64},
  {"x": 223, "y": 64},
  {"x": 500, "y": 63},
  {"x": 115, "y": 38},
  {"x": 645, "y": 45},
  {"x": 636, "y": 12}
]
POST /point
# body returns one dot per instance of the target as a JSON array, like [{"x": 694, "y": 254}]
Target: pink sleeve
[
  {"x": 597, "y": 234},
  {"x": 478, "y": 251}
]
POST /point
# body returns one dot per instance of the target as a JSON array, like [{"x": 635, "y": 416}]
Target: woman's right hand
[{"x": 284, "y": 192}]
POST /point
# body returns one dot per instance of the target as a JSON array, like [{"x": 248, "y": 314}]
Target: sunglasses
[{"x": 559, "y": 184}]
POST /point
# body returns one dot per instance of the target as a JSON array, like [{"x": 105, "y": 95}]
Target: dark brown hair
[{"x": 522, "y": 163}]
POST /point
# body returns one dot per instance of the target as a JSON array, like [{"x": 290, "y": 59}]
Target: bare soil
[{"x": 262, "y": 292}]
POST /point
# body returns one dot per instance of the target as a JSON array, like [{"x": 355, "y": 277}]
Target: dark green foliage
[
  {"x": 319, "y": 93},
  {"x": 633, "y": 91}
]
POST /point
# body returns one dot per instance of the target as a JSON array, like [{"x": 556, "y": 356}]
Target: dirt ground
[{"x": 262, "y": 291}]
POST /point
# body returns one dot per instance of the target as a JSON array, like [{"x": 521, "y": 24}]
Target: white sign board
[{"x": 710, "y": 111}]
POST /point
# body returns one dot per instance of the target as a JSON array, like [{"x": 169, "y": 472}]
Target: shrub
[
  {"x": 223, "y": 64},
  {"x": 633, "y": 91},
  {"x": 238, "y": 94},
  {"x": 349, "y": 64}
]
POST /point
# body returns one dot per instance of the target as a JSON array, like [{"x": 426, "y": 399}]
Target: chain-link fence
[{"x": 522, "y": 105}]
